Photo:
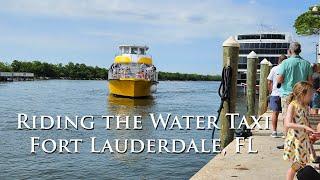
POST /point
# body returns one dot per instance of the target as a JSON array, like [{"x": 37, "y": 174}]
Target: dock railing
[{"x": 16, "y": 76}]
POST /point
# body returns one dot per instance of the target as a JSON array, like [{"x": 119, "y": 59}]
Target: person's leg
[
  {"x": 274, "y": 118},
  {"x": 273, "y": 106},
  {"x": 295, "y": 167},
  {"x": 315, "y": 103},
  {"x": 284, "y": 105},
  {"x": 290, "y": 174}
]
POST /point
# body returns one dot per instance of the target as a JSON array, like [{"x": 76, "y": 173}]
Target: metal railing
[{"x": 136, "y": 73}]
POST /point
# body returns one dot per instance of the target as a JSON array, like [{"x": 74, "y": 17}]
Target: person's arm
[
  {"x": 270, "y": 77},
  {"x": 280, "y": 79},
  {"x": 281, "y": 73},
  {"x": 270, "y": 86},
  {"x": 288, "y": 121},
  {"x": 310, "y": 80},
  {"x": 310, "y": 72}
]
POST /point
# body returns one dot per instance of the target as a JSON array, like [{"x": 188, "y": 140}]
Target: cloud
[
  {"x": 87, "y": 26},
  {"x": 252, "y": 1},
  {"x": 166, "y": 20}
]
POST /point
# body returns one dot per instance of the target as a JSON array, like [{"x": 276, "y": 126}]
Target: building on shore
[
  {"x": 16, "y": 76},
  {"x": 269, "y": 45}
]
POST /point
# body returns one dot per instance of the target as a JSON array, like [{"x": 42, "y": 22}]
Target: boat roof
[
  {"x": 265, "y": 32},
  {"x": 136, "y": 46}
]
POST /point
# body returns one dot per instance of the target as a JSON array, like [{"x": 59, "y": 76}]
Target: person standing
[
  {"x": 298, "y": 148},
  {"x": 292, "y": 70},
  {"x": 275, "y": 100},
  {"x": 315, "y": 104}
]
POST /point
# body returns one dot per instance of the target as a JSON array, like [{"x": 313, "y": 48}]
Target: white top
[
  {"x": 231, "y": 42},
  {"x": 252, "y": 55},
  {"x": 273, "y": 77},
  {"x": 264, "y": 61}
]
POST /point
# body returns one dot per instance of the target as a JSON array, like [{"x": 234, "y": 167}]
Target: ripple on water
[{"x": 62, "y": 97}]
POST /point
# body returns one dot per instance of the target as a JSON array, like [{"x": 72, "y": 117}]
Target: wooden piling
[
  {"x": 230, "y": 58},
  {"x": 252, "y": 60},
  {"x": 263, "y": 86}
]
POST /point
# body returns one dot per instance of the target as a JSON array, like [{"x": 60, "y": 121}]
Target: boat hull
[{"x": 130, "y": 87}]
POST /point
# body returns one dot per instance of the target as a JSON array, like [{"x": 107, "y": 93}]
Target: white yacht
[{"x": 269, "y": 45}]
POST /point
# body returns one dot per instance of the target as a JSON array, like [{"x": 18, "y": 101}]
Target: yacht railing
[{"x": 135, "y": 72}]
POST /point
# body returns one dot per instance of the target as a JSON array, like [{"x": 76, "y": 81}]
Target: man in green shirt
[{"x": 291, "y": 71}]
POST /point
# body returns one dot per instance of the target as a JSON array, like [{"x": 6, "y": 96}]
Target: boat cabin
[{"x": 139, "y": 50}]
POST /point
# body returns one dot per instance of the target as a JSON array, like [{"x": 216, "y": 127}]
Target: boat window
[
  {"x": 242, "y": 60},
  {"x": 142, "y": 51},
  {"x": 252, "y": 36},
  {"x": 125, "y": 50},
  {"x": 268, "y": 45},
  {"x": 134, "y": 50}
]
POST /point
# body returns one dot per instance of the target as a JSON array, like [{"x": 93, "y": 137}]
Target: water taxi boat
[{"x": 132, "y": 74}]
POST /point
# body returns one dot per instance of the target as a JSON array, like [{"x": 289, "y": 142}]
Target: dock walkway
[
  {"x": 16, "y": 76},
  {"x": 267, "y": 164}
]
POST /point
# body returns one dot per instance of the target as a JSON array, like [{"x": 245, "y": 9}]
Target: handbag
[{"x": 308, "y": 173}]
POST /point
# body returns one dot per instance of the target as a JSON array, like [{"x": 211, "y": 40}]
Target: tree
[
  {"x": 4, "y": 67},
  {"x": 82, "y": 71},
  {"x": 308, "y": 23},
  {"x": 16, "y": 66}
]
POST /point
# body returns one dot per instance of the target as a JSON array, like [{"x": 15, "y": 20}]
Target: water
[{"x": 70, "y": 98}]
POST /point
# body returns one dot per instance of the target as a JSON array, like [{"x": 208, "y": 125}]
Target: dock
[
  {"x": 265, "y": 165},
  {"x": 16, "y": 76}
]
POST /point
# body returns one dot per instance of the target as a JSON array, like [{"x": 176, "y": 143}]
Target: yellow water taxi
[{"x": 132, "y": 74}]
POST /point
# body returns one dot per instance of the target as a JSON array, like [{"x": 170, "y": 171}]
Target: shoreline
[{"x": 38, "y": 79}]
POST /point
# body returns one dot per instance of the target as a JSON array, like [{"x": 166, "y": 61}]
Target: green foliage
[
  {"x": 5, "y": 67},
  {"x": 68, "y": 71},
  {"x": 82, "y": 71},
  {"x": 187, "y": 77},
  {"x": 307, "y": 24}
]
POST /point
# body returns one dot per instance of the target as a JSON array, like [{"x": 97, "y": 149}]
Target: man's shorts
[
  {"x": 315, "y": 104},
  {"x": 275, "y": 103}
]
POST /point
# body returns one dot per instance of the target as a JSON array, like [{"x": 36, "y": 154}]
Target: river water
[{"x": 70, "y": 98}]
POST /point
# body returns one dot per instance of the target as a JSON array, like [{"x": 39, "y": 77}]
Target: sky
[{"x": 183, "y": 35}]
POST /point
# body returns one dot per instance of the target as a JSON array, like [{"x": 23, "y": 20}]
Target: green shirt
[{"x": 293, "y": 69}]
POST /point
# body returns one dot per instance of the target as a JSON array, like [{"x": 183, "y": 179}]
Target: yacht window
[
  {"x": 134, "y": 50},
  {"x": 268, "y": 45},
  {"x": 142, "y": 51},
  {"x": 125, "y": 50}
]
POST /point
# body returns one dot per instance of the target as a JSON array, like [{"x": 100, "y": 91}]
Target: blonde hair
[{"x": 300, "y": 89}]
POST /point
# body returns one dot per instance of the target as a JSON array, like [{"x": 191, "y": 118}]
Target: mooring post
[
  {"x": 252, "y": 60},
  {"x": 230, "y": 58},
  {"x": 263, "y": 86}
]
